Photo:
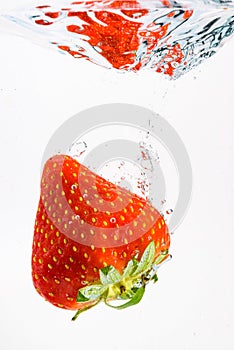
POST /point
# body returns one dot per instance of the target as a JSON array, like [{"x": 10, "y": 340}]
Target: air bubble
[
  {"x": 74, "y": 187},
  {"x": 98, "y": 49}
]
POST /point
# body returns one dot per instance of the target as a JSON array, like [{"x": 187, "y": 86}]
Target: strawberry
[
  {"x": 119, "y": 31},
  {"x": 93, "y": 240}
]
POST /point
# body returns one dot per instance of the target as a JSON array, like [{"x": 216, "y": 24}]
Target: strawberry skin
[{"x": 84, "y": 224}]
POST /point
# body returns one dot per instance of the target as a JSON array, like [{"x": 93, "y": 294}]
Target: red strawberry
[
  {"x": 125, "y": 38},
  {"x": 93, "y": 240}
]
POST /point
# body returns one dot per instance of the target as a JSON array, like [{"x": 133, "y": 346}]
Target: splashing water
[
  {"x": 126, "y": 174},
  {"x": 77, "y": 149},
  {"x": 167, "y": 36}
]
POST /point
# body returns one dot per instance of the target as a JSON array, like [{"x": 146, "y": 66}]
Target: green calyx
[{"x": 128, "y": 287}]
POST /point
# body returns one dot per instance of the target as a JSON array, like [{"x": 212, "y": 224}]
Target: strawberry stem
[
  {"x": 84, "y": 309},
  {"x": 135, "y": 300},
  {"x": 130, "y": 285}
]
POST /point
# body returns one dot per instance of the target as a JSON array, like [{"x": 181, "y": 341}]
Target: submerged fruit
[{"x": 93, "y": 240}]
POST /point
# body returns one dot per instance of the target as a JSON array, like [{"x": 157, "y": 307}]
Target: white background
[{"x": 191, "y": 307}]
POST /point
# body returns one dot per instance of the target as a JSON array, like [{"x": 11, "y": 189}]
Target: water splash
[
  {"x": 77, "y": 149},
  {"x": 166, "y": 36},
  {"x": 148, "y": 156}
]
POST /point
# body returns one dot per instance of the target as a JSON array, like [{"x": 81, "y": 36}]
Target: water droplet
[
  {"x": 169, "y": 211},
  {"x": 77, "y": 217},
  {"x": 74, "y": 186},
  {"x": 174, "y": 64},
  {"x": 143, "y": 185},
  {"x": 84, "y": 283},
  {"x": 85, "y": 195},
  {"x": 137, "y": 251},
  {"x": 113, "y": 220}
]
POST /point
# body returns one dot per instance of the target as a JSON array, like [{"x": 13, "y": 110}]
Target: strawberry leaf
[
  {"x": 105, "y": 270},
  {"x": 155, "y": 278},
  {"x": 91, "y": 292},
  {"x": 130, "y": 268},
  {"x": 164, "y": 255},
  {"x": 146, "y": 259},
  {"x": 135, "y": 300},
  {"x": 109, "y": 275},
  {"x": 81, "y": 297}
]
